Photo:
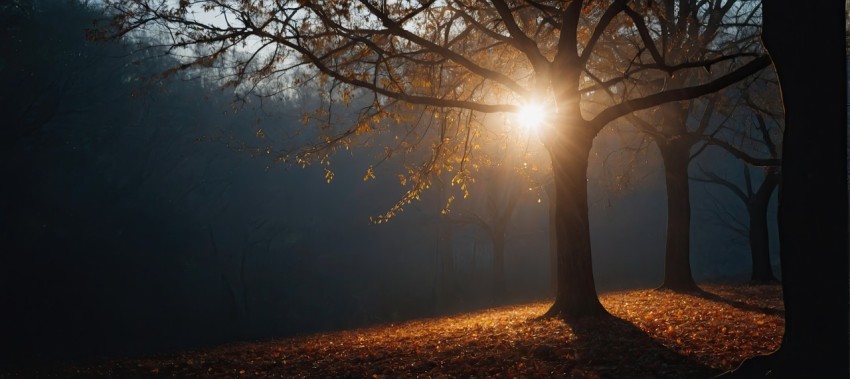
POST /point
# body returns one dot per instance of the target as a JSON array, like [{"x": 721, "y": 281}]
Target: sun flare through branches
[{"x": 531, "y": 117}]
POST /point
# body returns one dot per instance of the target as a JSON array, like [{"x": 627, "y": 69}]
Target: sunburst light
[{"x": 531, "y": 116}]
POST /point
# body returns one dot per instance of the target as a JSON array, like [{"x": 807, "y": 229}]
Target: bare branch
[
  {"x": 738, "y": 153},
  {"x": 713, "y": 178},
  {"x": 619, "y": 110},
  {"x": 523, "y": 42}
]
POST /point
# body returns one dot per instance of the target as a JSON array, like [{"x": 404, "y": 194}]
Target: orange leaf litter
[{"x": 656, "y": 334}]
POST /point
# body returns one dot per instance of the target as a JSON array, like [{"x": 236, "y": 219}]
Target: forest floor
[{"x": 654, "y": 334}]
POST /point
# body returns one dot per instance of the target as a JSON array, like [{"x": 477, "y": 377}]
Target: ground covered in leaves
[{"x": 654, "y": 334}]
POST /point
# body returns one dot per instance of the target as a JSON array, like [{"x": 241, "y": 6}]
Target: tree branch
[
  {"x": 613, "y": 10},
  {"x": 617, "y": 111},
  {"x": 738, "y": 153},
  {"x": 525, "y": 44},
  {"x": 713, "y": 178}
]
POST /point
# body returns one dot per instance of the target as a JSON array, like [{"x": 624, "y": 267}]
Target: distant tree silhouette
[
  {"x": 755, "y": 133},
  {"x": 501, "y": 193},
  {"x": 756, "y": 200}
]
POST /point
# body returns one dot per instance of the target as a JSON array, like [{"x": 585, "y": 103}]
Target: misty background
[{"x": 133, "y": 221}]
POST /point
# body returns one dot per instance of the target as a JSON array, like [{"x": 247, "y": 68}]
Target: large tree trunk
[
  {"x": 576, "y": 293},
  {"x": 813, "y": 194},
  {"x": 759, "y": 237},
  {"x": 677, "y": 263},
  {"x": 813, "y": 190}
]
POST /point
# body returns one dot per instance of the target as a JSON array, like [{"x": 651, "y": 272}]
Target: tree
[
  {"x": 502, "y": 193},
  {"x": 812, "y": 191},
  {"x": 755, "y": 200},
  {"x": 466, "y": 60},
  {"x": 688, "y": 30}
]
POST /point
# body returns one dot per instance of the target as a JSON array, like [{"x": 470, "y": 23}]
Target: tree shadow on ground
[
  {"x": 738, "y": 304},
  {"x": 600, "y": 347},
  {"x": 614, "y": 348}
]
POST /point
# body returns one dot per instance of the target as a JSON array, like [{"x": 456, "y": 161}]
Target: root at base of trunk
[{"x": 576, "y": 313}]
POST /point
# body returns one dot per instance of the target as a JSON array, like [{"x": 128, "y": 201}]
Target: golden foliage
[{"x": 370, "y": 174}]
